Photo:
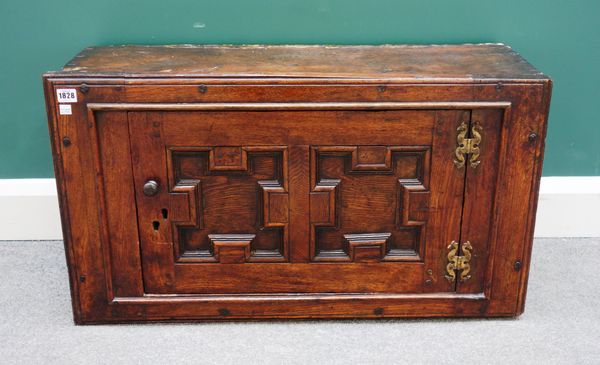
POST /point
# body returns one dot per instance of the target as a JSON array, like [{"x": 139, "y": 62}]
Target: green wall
[{"x": 561, "y": 38}]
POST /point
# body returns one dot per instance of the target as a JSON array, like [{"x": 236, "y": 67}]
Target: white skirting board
[{"x": 568, "y": 207}]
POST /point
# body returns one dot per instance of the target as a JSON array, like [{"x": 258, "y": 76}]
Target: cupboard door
[{"x": 321, "y": 201}]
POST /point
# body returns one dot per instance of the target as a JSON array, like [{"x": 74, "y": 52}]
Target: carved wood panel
[
  {"x": 228, "y": 212},
  {"x": 230, "y": 204},
  {"x": 368, "y": 203}
]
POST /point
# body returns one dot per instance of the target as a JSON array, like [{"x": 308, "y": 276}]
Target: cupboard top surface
[{"x": 413, "y": 63}]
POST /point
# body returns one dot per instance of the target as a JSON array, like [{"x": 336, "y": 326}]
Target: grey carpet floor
[{"x": 561, "y": 324}]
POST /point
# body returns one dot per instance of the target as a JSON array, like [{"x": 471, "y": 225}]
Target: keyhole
[
  {"x": 165, "y": 213},
  {"x": 156, "y": 224}
]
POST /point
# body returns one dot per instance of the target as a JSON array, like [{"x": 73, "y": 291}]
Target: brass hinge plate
[
  {"x": 459, "y": 263},
  {"x": 467, "y": 147}
]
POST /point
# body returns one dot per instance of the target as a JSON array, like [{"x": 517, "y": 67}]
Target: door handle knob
[{"x": 150, "y": 188}]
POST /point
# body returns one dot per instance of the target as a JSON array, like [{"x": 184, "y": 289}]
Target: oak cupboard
[{"x": 248, "y": 182}]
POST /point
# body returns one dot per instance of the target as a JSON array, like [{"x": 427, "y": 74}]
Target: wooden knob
[{"x": 150, "y": 188}]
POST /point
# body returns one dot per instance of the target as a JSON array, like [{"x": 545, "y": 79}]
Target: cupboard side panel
[
  {"x": 82, "y": 225},
  {"x": 540, "y": 115},
  {"x": 516, "y": 194},
  {"x": 55, "y": 142}
]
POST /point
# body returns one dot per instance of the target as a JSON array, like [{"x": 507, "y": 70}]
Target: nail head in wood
[{"x": 518, "y": 265}]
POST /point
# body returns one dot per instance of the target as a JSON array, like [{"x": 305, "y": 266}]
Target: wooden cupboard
[{"x": 234, "y": 182}]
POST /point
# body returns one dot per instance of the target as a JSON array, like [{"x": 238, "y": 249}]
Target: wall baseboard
[
  {"x": 29, "y": 210},
  {"x": 568, "y": 207}
]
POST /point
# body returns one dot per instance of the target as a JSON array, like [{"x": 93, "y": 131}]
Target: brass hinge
[
  {"x": 459, "y": 263},
  {"x": 467, "y": 146}
]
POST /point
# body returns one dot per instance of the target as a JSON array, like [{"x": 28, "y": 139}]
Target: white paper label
[
  {"x": 66, "y": 95},
  {"x": 64, "y": 109}
]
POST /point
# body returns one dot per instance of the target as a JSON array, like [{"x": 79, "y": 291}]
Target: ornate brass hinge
[
  {"x": 467, "y": 147},
  {"x": 459, "y": 263}
]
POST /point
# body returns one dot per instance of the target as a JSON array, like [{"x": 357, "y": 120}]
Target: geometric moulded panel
[
  {"x": 368, "y": 203},
  {"x": 235, "y": 204}
]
